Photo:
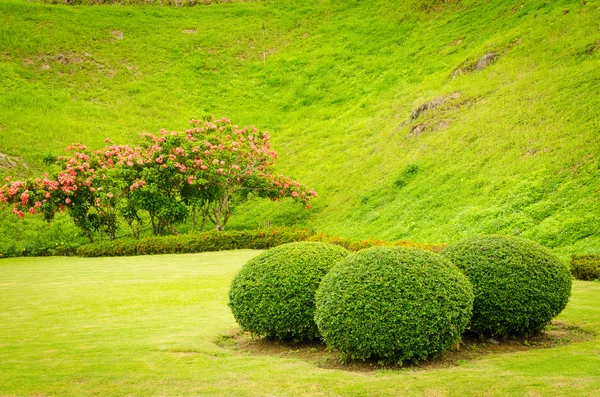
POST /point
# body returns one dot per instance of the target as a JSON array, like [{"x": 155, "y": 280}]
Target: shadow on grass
[{"x": 470, "y": 348}]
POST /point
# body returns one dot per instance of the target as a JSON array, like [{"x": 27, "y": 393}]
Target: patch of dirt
[
  {"x": 436, "y": 114},
  {"x": 66, "y": 62},
  {"x": 421, "y": 128},
  {"x": 7, "y": 161},
  {"x": 189, "y": 31},
  {"x": 535, "y": 151},
  {"x": 469, "y": 349},
  {"x": 484, "y": 61},
  {"x": 118, "y": 35},
  {"x": 417, "y": 130},
  {"x": 592, "y": 48},
  {"x": 432, "y": 105}
]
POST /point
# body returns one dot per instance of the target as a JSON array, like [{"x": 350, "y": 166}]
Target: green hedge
[
  {"x": 229, "y": 240},
  {"x": 273, "y": 294},
  {"x": 585, "y": 267},
  {"x": 519, "y": 285},
  {"x": 190, "y": 243},
  {"x": 393, "y": 304}
]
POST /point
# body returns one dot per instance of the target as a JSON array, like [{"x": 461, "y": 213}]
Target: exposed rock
[
  {"x": 45, "y": 67},
  {"x": 442, "y": 124},
  {"x": 416, "y": 130},
  {"x": 483, "y": 62},
  {"x": 486, "y": 60},
  {"x": 189, "y": 31},
  {"x": 421, "y": 128},
  {"x": 432, "y": 105},
  {"x": 117, "y": 34},
  {"x": 443, "y": 107}
]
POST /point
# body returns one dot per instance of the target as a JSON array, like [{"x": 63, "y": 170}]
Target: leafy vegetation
[
  {"x": 507, "y": 149},
  {"x": 393, "y": 304},
  {"x": 585, "y": 267},
  {"x": 41, "y": 242},
  {"x": 197, "y": 242},
  {"x": 519, "y": 285},
  {"x": 273, "y": 294},
  {"x": 209, "y": 169}
]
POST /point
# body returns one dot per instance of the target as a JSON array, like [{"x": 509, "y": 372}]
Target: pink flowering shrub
[{"x": 201, "y": 172}]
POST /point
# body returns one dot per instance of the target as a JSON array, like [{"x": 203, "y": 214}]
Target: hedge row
[
  {"x": 585, "y": 267},
  {"x": 229, "y": 240},
  {"x": 190, "y": 243}
]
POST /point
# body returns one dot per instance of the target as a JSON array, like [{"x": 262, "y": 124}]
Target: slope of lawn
[
  {"x": 148, "y": 326},
  {"x": 513, "y": 149}
]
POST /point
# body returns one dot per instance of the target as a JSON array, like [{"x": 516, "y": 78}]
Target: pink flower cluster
[{"x": 211, "y": 153}]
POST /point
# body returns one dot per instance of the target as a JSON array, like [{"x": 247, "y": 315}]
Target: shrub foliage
[
  {"x": 393, "y": 304},
  {"x": 197, "y": 242},
  {"x": 205, "y": 170},
  {"x": 519, "y": 285},
  {"x": 585, "y": 267},
  {"x": 273, "y": 294},
  {"x": 227, "y": 240}
]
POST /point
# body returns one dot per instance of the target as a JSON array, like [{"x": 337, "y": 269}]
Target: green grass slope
[
  {"x": 147, "y": 326},
  {"x": 513, "y": 148}
]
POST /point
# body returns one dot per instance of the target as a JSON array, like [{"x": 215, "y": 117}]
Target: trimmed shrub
[
  {"x": 585, "y": 267},
  {"x": 393, "y": 304},
  {"x": 273, "y": 294},
  {"x": 229, "y": 240},
  {"x": 191, "y": 243},
  {"x": 519, "y": 285}
]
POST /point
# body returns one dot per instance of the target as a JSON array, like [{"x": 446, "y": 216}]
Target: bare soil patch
[
  {"x": 470, "y": 348},
  {"x": 7, "y": 161}
]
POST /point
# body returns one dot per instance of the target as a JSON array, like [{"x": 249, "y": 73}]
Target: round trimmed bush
[
  {"x": 273, "y": 294},
  {"x": 519, "y": 285},
  {"x": 393, "y": 304}
]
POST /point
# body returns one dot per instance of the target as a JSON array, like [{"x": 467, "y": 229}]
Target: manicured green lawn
[{"x": 147, "y": 326}]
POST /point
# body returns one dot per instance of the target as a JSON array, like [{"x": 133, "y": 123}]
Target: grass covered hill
[{"x": 425, "y": 120}]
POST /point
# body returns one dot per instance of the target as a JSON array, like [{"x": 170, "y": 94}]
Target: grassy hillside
[{"x": 512, "y": 148}]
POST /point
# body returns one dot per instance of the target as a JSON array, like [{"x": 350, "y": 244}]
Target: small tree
[{"x": 207, "y": 169}]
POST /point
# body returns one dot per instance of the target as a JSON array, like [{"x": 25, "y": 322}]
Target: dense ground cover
[
  {"x": 511, "y": 149},
  {"x": 148, "y": 325}
]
